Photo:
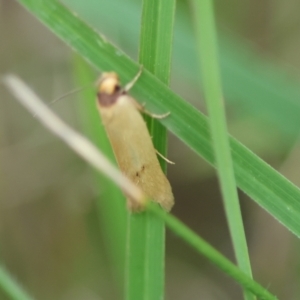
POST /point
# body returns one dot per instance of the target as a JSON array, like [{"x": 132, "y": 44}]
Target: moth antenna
[
  {"x": 130, "y": 84},
  {"x": 163, "y": 157},
  {"x": 70, "y": 93}
]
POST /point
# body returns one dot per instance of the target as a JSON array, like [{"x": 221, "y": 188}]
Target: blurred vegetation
[{"x": 49, "y": 229}]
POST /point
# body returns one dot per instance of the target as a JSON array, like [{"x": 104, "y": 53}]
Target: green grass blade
[
  {"x": 11, "y": 287},
  {"x": 145, "y": 277},
  {"x": 111, "y": 205},
  {"x": 213, "y": 255},
  {"x": 208, "y": 56},
  {"x": 136, "y": 257},
  {"x": 257, "y": 85},
  {"x": 147, "y": 233}
]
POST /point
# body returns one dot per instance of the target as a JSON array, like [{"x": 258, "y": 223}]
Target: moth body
[{"x": 131, "y": 142}]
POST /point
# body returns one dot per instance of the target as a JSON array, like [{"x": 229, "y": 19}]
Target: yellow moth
[{"x": 130, "y": 139}]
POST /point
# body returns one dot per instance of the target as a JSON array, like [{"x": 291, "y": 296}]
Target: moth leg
[
  {"x": 130, "y": 84},
  {"x": 141, "y": 107},
  {"x": 155, "y": 116},
  {"x": 163, "y": 157}
]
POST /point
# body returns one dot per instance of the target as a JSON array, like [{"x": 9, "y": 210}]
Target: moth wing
[{"x": 134, "y": 150}]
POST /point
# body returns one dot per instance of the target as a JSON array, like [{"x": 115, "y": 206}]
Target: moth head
[
  {"x": 109, "y": 89},
  {"x": 108, "y": 83}
]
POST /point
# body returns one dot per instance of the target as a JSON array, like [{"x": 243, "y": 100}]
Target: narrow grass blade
[
  {"x": 147, "y": 233},
  {"x": 252, "y": 81},
  {"x": 196, "y": 242},
  {"x": 207, "y": 49},
  {"x": 111, "y": 204}
]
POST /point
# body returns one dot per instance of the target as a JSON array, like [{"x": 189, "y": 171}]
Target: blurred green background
[{"x": 49, "y": 230}]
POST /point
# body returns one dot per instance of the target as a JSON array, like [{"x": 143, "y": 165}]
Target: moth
[{"x": 130, "y": 139}]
